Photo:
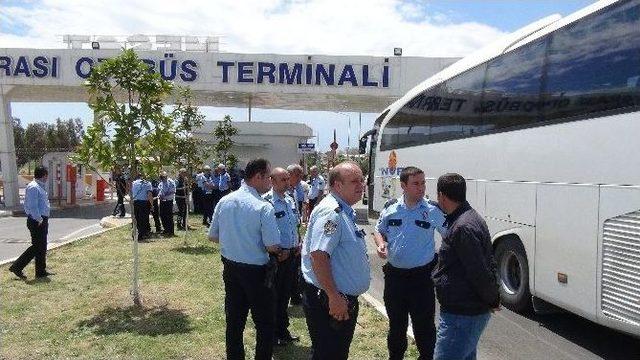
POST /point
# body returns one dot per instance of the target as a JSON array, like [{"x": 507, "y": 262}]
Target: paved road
[
  {"x": 64, "y": 225},
  {"x": 512, "y": 336}
]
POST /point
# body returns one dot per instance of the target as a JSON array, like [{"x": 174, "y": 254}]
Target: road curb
[
  {"x": 57, "y": 245},
  {"x": 379, "y": 306}
]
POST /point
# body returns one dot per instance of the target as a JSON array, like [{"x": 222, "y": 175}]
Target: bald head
[
  {"x": 280, "y": 180},
  {"x": 346, "y": 181}
]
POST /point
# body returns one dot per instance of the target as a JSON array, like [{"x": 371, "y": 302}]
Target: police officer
[
  {"x": 121, "y": 189},
  {"x": 224, "y": 180},
  {"x": 404, "y": 236},
  {"x": 142, "y": 192},
  {"x": 166, "y": 194},
  {"x": 296, "y": 191},
  {"x": 335, "y": 265},
  {"x": 181, "y": 199},
  {"x": 288, "y": 220},
  {"x": 316, "y": 190},
  {"x": 155, "y": 206},
  {"x": 36, "y": 206},
  {"x": 245, "y": 226},
  {"x": 204, "y": 182},
  {"x": 197, "y": 192}
]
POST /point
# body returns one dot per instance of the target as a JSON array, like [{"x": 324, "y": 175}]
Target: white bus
[{"x": 545, "y": 127}]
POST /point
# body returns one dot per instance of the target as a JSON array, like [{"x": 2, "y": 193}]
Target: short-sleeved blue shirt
[
  {"x": 409, "y": 232},
  {"x": 287, "y": 218},
  {"x": 140, "y": 189},
  {"x": 332, "y": 229},
  {"x": 245, "y": 224}
]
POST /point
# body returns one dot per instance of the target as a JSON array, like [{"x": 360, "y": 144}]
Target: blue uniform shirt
[
  {"x": 316, "y": 187},
  {"x": 166, "y": 190},
  {"x": 409, "y": 232},
  {"x": 287, "y": 218},
  {"x": 245, "y": 224},
  {"x": 36, "y": 200},
  {"x": 332, "y": 229},
  {"x": 223, "y": 182},
  {"x": 140, "y": 188},
  {"x": 200, "y": 178}
]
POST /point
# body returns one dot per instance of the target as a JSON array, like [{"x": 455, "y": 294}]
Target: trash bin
[{"x": 101, "y": 186}]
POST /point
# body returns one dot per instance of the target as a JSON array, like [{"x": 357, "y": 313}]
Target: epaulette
[
  {"x": 434, "y": 203},
  {"x": 389, "y": 203},
  {"x": 268, "y": 198}
]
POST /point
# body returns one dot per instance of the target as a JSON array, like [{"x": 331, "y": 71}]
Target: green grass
[{"x": 85, "y": 310}]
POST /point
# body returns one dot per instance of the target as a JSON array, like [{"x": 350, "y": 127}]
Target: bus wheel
[{"x": 513, "y": 275}]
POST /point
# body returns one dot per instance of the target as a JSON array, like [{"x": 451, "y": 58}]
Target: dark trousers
[
  {"x": 120, "y": 206},
  {"x": 38, "y": 248},
  {"x": 166, "y": 216},
  {"x": 409, "y": 292},
  {"x": 141, "y": 209},
  {"x": 330, "y": 338},
  {"x": 284, "y": 283},
  {"x": 207, "y": 208},
  {"x": 181, "y": 203},
  {"x": 196, "y": 195},
  {"x": 155, "y": 211},
  {"x": 298, "y": 281},
  {"x": 245, "y": 290}
]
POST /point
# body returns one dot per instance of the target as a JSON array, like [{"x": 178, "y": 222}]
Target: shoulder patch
[
  {"x": 434, "y": 203},
  {"x": 389, "y": 203},
  {"x": 330, "y": 227}
]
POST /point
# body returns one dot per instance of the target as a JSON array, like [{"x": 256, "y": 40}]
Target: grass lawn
[{"x": 85, "y": 310}]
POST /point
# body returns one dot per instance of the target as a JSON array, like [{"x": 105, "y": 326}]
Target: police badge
[{"x": 330, "y": 227}]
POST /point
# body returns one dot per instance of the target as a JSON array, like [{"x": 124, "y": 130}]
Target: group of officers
[{"x": 257, "y": 229}]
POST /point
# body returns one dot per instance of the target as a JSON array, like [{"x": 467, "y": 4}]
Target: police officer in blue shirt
[
  {"x": 335, "y": 265},
  {"x": 288, "y": 220},
  {"x": 166, "y": 194},
  {"x": 206, "y": 185},
  {"x": 316, "y": 187},
  {"x": 297, "y": 192},
  {"x": 142, "y": 193},
  {"x": 245, "y": 226},
  {"x": 224, "y": 180},
  {"x": 36, "y": 206},
  {"x": 404, "y": 236}
]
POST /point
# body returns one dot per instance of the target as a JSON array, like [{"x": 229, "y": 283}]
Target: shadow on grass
[
  {"x": 154, "y": 321},
  {"x": 195, "y": 250},
  {"x": 291, "y": 351},
  {"x": 296, "y": 311},
  {"x": 37, "y": 281}
]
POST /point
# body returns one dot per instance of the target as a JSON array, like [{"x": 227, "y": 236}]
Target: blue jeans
[{"x": 458, "y": 336}]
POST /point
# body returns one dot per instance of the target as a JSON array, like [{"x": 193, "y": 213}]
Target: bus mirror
[{"x": 363, "y": 145}]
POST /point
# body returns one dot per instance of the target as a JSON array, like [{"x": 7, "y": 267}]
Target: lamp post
[{"x": 348, "y": 133}]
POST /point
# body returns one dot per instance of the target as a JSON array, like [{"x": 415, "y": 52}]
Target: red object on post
[
  {"x": 101, "y": 185},
  {"x": 71, "y": 188}
]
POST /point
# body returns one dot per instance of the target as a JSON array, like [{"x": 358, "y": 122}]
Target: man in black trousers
[{"x": 36, "y": 206}]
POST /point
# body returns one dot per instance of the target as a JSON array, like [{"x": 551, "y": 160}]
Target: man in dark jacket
[{"x": 465, "y": 277}]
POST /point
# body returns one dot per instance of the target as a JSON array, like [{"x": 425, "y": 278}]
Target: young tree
[
  {"x": 189, "y": 151},
  {"x": 131, "y": 126},
  {"x": 223, "y": 133}
]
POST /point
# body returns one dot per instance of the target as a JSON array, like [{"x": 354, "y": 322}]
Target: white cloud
[{"x": 354, "y": 27}]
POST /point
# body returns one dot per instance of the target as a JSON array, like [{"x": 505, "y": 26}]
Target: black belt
[
  {"x": 319, "y": 291},
  {"x": 166, "y": 200},
  {"x": 418, "y": 270},
  {"x": 42, "y": 216},
  {"x": 241, "y": 265}
]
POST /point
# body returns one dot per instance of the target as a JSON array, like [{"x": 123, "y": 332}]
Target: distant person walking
[{"x": 36, "y": 206}]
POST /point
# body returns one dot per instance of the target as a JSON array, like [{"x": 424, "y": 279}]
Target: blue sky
[{"x": 444, "y": 27}]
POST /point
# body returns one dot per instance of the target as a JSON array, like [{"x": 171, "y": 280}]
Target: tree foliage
[
  {"x": 223, "y": 133},
  {"x": 41, "y": 137},
  {"x": 131, "y": 127}
]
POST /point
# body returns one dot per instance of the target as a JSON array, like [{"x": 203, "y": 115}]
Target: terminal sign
[{"x": 305, "y": 148}]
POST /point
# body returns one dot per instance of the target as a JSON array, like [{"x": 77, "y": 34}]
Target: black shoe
[
  {"x": 18, "y": 273},
  {"x": 205, "y": 223},
  {"x": 296, "y": 300},
  {"x": 44, "y": 274},
  {"x": 290, "y": 338}
]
